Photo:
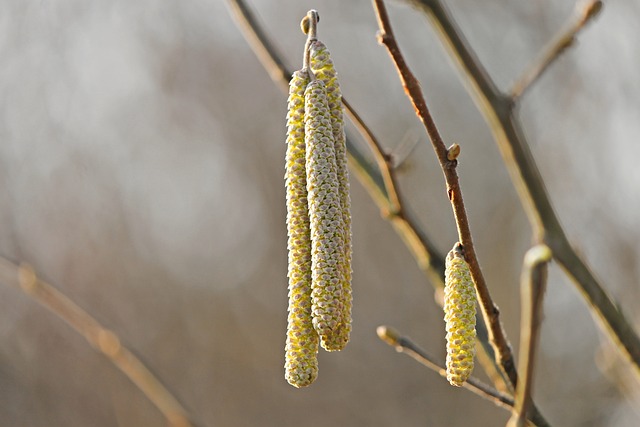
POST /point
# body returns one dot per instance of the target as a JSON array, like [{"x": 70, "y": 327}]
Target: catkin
[
  {"x": 301, "y": 364},
  {"x": 327, "y": 241},
  {"x": 322, "y": 66},
  {"x": 460, "y": 317}
]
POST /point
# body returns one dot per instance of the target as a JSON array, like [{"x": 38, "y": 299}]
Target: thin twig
[
  {"x": 100, "y": 338},
  {"x": 550, "y": 53},
  {"x": 533, "y": 284},
  {"x": 380, "y": 182},
  {"x": 405, "y": 345},
  {"x": 411, "y": 85},
  {"x": 501, "y": 115}
]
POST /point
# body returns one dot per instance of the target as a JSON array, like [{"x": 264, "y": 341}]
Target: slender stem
[
  {"x": 563, "y": 40},
  {"x": 405, "y": 345},
  {"x": 383, "y": 160},
  {"x": 100, "y": 338},
  {"x": 310, "y": 28},
  {"x": 533, "y": 284},
  {"x": 501, "y": 116},
  {"x": 411, "y": 85}
]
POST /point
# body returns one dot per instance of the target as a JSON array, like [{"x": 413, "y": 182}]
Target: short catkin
[
  {"x": 322, "y": 66},
  {"x": 460, "y": 317},
  {"x": 301, "y": 364},
  {"x": 325, "y": 213}
]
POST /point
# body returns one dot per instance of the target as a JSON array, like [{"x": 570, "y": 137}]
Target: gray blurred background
[{"x": 141, "y": 172}]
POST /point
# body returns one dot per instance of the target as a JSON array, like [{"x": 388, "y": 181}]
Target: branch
[
  {"x": 100, "y": 338},
  {"x": 499, "y": 112},
  {"x": 405, "y": 345},
  {"x": 448, "y": 164},
  {"x": 533, "y": 284},
  {"x": 563, "y": 40}
]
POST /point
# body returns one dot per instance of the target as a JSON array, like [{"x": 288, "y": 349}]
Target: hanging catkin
[
  {"x": 301, "y": 364},
  {"x": 460, "y": 317},
  {"x": 327, "y": 241},
  {"x": 322, "y": 66}
]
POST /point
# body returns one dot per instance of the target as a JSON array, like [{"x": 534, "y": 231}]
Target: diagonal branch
[
  {"x": 501, "y": 115},
  {"x": 564, "y": 40},
  {"x": 100, "y": 338},
  {"x": 533, "y": 284},
  {"x": 405, "y": 345},
  {"x": 411, "y": 85}
]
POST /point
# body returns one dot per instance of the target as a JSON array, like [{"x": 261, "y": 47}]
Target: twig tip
[
  {"x": 538, "y": 255},
  {"x": 389, "y": 335}
]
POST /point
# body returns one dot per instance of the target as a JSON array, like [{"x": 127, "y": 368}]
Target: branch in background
[
  {"x": 532, "y": 287},
  {"x": 448, "y": 164},
  {"x": 500, "y": 113},
  {"x": 405, "y": 345},
  {"x": 563, "y": 40},
  {"x": 100, "y": 338}
]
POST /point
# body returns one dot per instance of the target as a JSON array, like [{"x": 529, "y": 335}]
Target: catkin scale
[
  {"x": 327, "y": 241},
  {"x": 323, "y": 68},
  {"x": 301, "y": 364},
  {"x": 460, "y": 317}
]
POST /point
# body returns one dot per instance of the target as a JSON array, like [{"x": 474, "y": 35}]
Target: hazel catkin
[
  {"x": 323, "y": 68},
  {"x": 301, "y": 365},
  {"x": 325, "y": 214},
  {"x": 460, "y": 317}
]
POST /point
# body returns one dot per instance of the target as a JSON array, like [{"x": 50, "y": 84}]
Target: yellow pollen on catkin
[
  {"x": 301, "y": 364},
  {"x": 323, "y": 68},
  {"x": 460, "y": 317},
  {"x": 327, "y": 241}
]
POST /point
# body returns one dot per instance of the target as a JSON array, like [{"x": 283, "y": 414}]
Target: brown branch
[
  {"x": 533, "y": 284},
  {"x": 565, "y": 39},
  {"x": 411, "y": 85},
  {"x": 380, "y": 182},
  {"x": 405, "y": 345},
  {"x": 499, "y": 112},
  {"x": 100, "y": 338}
]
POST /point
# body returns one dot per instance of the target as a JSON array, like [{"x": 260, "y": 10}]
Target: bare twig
[
  {"x": 100, "y": 338},
  {"x": 501, "y": 115},
  {"x": 411, "y": 85},
  {"x": 565, "y": 39},
  {"x": 405, "y": 345},
  {"x": 533, "y": 284}
]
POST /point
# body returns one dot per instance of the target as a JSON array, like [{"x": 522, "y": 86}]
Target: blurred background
[{"x": 141, "y": 172}]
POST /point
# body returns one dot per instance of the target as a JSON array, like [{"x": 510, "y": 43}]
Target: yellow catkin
[
  {"x": 460, "y": 317},
  {"x": 323, "y": 68},
  {"x": 301, "y": 364},
  {"x": 327, "y": 243}
]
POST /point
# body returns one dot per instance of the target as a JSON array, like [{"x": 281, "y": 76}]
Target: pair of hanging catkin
[{"x": 318, "y": 214}]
